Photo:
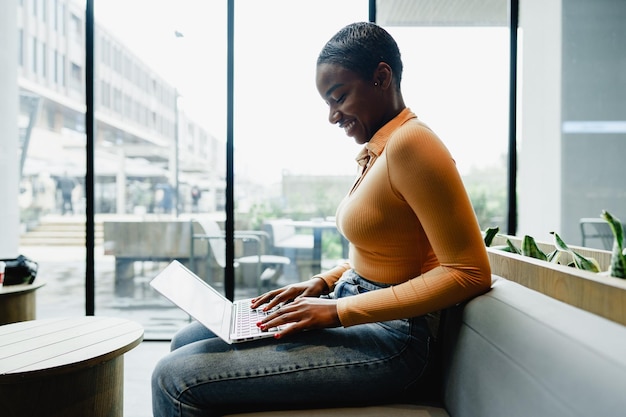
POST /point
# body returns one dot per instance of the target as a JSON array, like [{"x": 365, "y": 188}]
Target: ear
[{"x": 383, "y": 75}]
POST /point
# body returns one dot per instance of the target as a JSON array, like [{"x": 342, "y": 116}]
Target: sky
[{"x": 455, "y": 79}]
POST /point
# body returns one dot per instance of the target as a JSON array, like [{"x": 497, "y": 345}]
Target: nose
[{"x": 334, "y": 116}]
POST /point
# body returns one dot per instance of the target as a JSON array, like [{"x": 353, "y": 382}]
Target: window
[
  {"x": 62, "y": 18},
  {"x": 55, "y": 14},
  {"x": 56, "y": 64},
  {"x": 570, "y": 78},
  {"x": 117, "y": 100},
  {"x": 44, "y": 60},
  {"x": 571, "y": 116},
  {"x": 454, "y": 76},
  {"x": 34, "y": 54},
  {"x": 20, "y": 48},
  {"x": 76, "y": 27},
  {"x": 103, "y": 95},
  {"x": 76, "y": 77},
  {"x": 62, "y": 71},
  {"x": 43, "y": 7}
]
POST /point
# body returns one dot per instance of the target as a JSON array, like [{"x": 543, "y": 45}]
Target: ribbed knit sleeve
[
  {"x": 411, "y": 224},
  {"x": 332, "y": 276}
]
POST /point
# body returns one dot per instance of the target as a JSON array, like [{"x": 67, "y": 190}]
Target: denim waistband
[
  {"x": 369, "y": 284},
  {"x": 352, "y": 283}
]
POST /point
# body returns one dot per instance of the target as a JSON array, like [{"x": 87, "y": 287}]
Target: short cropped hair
[{"x": 360, "y": 47}]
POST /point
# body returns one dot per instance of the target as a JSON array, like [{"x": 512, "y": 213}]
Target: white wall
[
  {"x": 539, "y": 119},
  {"x": 9, "y": 162}
]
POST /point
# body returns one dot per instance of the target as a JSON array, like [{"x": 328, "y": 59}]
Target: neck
[{"x": 396, "y": 105}]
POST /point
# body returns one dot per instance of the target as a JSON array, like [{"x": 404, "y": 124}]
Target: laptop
[{"x": 233, "y": 322}]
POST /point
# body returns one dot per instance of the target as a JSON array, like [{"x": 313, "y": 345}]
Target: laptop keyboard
[{"x": 247, "y": 318}]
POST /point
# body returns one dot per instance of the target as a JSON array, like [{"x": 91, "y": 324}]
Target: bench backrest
[
  {"x": 156, "y": 239},
  {"x": 516, "y": 352},
  {"x": 165, "y": 238}
]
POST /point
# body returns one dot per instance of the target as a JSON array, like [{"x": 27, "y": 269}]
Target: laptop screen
[{"x": 196, "y": 297}]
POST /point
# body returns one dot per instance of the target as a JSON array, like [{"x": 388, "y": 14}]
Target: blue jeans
[{"x": 358, "y": 365}]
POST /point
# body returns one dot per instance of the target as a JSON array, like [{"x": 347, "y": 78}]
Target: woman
[{"x": 415, "y": 248}]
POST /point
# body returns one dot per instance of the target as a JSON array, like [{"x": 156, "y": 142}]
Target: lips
[{"x": 348, "y": 127}]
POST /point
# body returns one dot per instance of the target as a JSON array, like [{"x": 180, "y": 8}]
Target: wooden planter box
[{"x": 596, "y": 293}]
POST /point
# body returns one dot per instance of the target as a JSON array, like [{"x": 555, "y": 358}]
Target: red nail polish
[
  {"x": 259, "y": 324},
  {"x": 277, "y": 336}
]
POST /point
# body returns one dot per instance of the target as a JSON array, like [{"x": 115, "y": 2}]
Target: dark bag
[{"x": 20, "y": 270}]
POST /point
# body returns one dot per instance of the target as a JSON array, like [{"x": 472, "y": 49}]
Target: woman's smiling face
[{"x": 354, "y": 104}]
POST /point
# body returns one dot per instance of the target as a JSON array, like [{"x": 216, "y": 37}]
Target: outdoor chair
[
  {"x": 596, "y": 228},
  {"x": 256, "y": 265}
]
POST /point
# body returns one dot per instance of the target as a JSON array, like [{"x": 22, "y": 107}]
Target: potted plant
[
  {"x": 529, "y": 247},
  {"x": 587, "y": 278}
]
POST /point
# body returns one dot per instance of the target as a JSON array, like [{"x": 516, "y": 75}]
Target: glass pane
[
  {"x": 160, "y": 134},
  {"x": 160, "y": 152},
  {"x": 292, "y": 167},
  {"x": 51, "y": 121},
  {"x": 572, "y": 121},
  {"x": 456, "y": 80}
]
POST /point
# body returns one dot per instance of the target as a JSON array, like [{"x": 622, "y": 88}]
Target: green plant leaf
[
  {"x": 616, "y": 227},
  {"x": 579, "y": 261},
  {"x": 510, "y": 247},
  {"x": 559, "y": 243},
  {"x": 490, "y": 233},
  {"x": 618, "y": 257},
  {"x": 530, "y": 248},
  {"x": 584, "y": 263},
  {"x": 554, "y": 256}
]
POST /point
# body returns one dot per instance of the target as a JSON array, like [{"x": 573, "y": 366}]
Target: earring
[{"x": 375, "y": 84}]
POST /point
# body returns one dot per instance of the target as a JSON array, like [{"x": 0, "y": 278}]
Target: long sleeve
[{"x": 411, "y": 224}]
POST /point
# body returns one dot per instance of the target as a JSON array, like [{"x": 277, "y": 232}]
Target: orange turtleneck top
[{"x": 410, "y": 223}]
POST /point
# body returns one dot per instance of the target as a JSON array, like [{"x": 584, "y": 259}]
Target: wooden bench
[
  {"x": 147, "y": 241},
  {"x": 67, "y": 367},
  {"x": 198, "y": 243},
  {"x": 18, "y": 303}
]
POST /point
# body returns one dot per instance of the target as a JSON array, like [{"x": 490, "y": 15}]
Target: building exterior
[{"x": 144, "y": 143}]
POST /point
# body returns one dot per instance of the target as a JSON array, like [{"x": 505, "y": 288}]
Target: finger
[
  {"x": 264, "y": 298},
  {"x": 283, "y": 298},
  {"x": 307, "y": 293},
  {"x": 271, "y": 320},
  {"x": 261, "y": 299},
  {"x": 289, "y": 330},
  {"x": 272, "y": 303},
  {"x": 280, "y": 317}
]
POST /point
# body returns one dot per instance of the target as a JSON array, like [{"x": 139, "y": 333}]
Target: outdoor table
[
  {"x": 17, "y": 302},
  {"x": 66, "y": 367},
  {"x": 318, "y": 227}
]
